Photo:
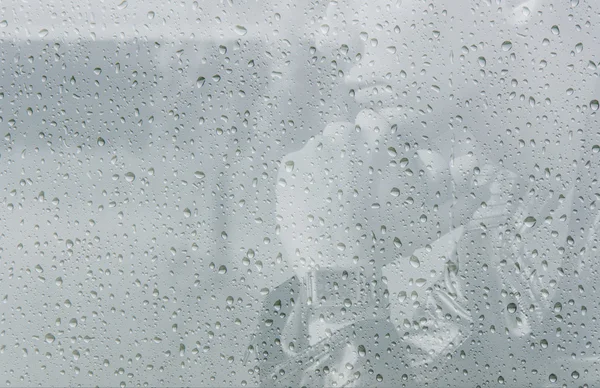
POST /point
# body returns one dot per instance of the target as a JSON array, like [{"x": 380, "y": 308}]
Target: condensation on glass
[{"x": 297, "y": 193}]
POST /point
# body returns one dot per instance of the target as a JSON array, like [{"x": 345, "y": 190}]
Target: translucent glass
[{"x": 292, "y": 193}]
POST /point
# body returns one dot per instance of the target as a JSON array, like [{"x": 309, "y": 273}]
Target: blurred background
[{"x": 241, "y": 193}]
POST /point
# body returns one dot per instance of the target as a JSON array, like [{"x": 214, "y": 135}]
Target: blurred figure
[{"x": 407, "y": 226}]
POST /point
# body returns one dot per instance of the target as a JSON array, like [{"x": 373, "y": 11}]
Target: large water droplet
[
  {"x": 240, "y": 30},
  {"x": 414, "y": 261},
  {"x": 506, "y": 46},
  {"x": 511, "y": 308},
  {"x": 129, "y": 176},
  {"x": 530, "y": 221}
]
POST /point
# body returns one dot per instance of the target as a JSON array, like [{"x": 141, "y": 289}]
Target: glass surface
[{"x": 296, "y": 193}]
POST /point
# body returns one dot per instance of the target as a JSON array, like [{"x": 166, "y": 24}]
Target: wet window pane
[{"x": 293, "y": 193}]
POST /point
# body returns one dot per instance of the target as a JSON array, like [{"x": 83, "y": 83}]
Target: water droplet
[
  {"x": 414, "y": 261},
  {"x": 361, "y": 350},
  {"x": 557, "y": 307},
  {"x": 199, "y": 175},
  {"x": 101, "y": 141},
  {"x": 555, "y": 30},
  {"x": 506, "y": 46},
  {"x": 401, "y": 296},
  {"x": 200, "y": 82},
  {"x": 129, "y": 176},
  {"x": 289, "y": 166},
  {"x": 397, "y": 242},
  {"x": 482, "y": 61},
  {"x": 511, "y": 308},
  {"x": 49, "y": 338},
  {"x": 151, "y": 15},
  {"x": 222, "y": 270},
  {"x": 43, "y": 33},
  {"x": 530, "y": 221},
  {"x": 594, "y": 105},
  {"x": 240, "y": 30},
  {"x": 3, "y": 23}
]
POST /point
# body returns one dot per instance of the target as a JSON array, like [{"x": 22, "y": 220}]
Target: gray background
[{"x": 285, "y": 194}]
